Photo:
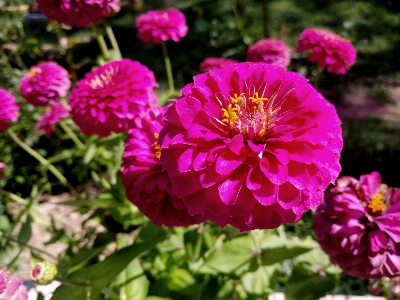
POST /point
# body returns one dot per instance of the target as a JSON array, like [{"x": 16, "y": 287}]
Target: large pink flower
[
  {"x": 8, "y": 109},
  {"x": 358, "y": 226},
  {"x": 272, "y": 51},
  {"x": 212, "y": 63},
  {"x": 78, "y": 13},
  {"x": 44, "y": 84},
  {"x": 110, "y": 97},
  {"x": 11, "y": 287},
  {"x": 327, "y": 49},
  {"x": 54, "y": 114},
  {"x": 251, "y": 145},
  {"x": 147, "y": 186},
  {"x": 160, "y": 26}
]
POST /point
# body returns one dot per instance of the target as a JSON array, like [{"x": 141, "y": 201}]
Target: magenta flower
[
  {"x": 44, "y": 84},
  {"x": 251, "y": 145},
  {"x": 78, "y": 13},
  {"x": 54, "y": 114},
  {"x": 108, "y": 98},
  {"x": 271, "y": 51},
  {"x": 327, "y": 49},
  {"x": 11, "y": 287},
  {"x": 159, "y": 26},
  {"x": 357, "y": 226},
  {"x": 8, "y": 109},
  {"x": 147, "y": 186},
  {"x": 212, "y": 63}
]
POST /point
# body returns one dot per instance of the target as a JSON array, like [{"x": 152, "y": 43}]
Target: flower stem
[
  {"x": 113, "y": 40},
  {"x": 41, "y": 159},
  {"x": 317, "y": 77},
  {"x": 168, "y": 68},
  {"x": 101, "y": 41},
  {"x": 72, "y": 135},
  {"x": 257, "y": 247},
  {"x": 14, "y": 197}
]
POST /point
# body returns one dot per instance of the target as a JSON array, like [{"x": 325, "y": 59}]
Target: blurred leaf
[
  {"x": 132, "y": 282},
  {"x": 194, "y": 243},
  {"x": 26, "y": 231},
  {"x": 261, "y": 282}
]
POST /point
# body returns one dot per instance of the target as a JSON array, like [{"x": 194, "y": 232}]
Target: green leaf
[
  {"x": 260, "y": 283},
  {"x": 26, "y": 231},
  {"x": 132, "y": 282},
  {"x": 94, "y": 278},
  {"x": 90, "y": 153},
  {"x": 194, "y": 244}
]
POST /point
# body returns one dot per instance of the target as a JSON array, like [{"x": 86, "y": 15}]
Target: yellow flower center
[
  {"x": 156, "y": 146},
  {"x": 376, "y": 205},
  {"x": 33, "y": 71}
]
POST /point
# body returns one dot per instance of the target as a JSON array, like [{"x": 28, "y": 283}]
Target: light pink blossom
[
  {"x": 108, "y": 98},
  {"x": 327, "y": 50},
  {"x": 159, "y": 26},
  {"x": 11, "y": 287},
  {"x": 251, "y": 145}
]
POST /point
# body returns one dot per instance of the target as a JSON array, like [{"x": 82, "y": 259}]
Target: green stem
[
  {"x": 14, "y": 197},
  {"x": 20, "y": 62},
  {"x": 69, "y": 282},
  {"x": 317, "y": 77},
  {"x": 238, "y": 19},
  {"x": 41, "y": 159},
  {"x": 168, "y": 68},
  {"x": 113, "y": 40},
  {"x": 101, "y": 41},
  {"x": 323, "y": 269},
  {"x": 257, "y": 247},
  {"x": 72, "y": 135}
]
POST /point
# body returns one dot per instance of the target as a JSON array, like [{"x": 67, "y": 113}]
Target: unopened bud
[{"x": 43, "y": 273}]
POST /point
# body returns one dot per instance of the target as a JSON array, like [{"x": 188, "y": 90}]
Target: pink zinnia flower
[
  {"x": 327, "y": 49},
  {"x": 160, "y": 26},
  {"x": 251, "y": 145},
  {"x": 11, "y": 287},
  {"x": 271, "y": 51},
  {"x": 44, "y": 84},
  {"x": 8, "y": 109},
  {"x": 108, "y": 98},
  {"x": 54, "y": 114},
  {"x": 78, "y": 13},
  {"x": 147, "y": 186},
  {"x": 358, "y": 226},
  {"x": 212, "y": 63}
]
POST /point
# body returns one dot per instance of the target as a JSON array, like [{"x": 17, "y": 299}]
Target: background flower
[
  {"x": 357, "y": 226},
  {"x": 54, "y": 114},
  {"x": 327, "y": 49},
  {"x": 8, "y": 109},
  {"x": 44, "y": 84},
  {"x": 108, "y": 98},
  {"x": 251, "y": 145},
  {"x": 78, "y": 13},
  {"x": 272, "y": 51},
  {"x": 147, "y": 186},
  {"x": 11, "y": 287},
  {"x": 212, "y": 63},
  {"x": 159, "y": 26}
]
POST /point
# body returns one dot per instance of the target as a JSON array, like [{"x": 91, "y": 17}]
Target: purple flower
[
  {"x": 45, "y": 84},
  {"x": 11, "y": 287},
  {"x": 8, "y": 109},
  {"x": 54, "y": 114},
  {"x": 358, "y": 226},
  {"x": 272, "y": 51},
  {"x": 212, "y": 63}
]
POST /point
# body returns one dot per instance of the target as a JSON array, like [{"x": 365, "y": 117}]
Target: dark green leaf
[{"x": 26, "y": 231}]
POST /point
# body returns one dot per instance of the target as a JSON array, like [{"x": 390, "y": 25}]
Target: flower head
[
  {"x": 78, "y": 13},
  {"x": 251, "y": 145},
  {"x": 8, "y": 109},
  {"x": 110, "y": 97},
  {"x": 327, "y": 49},
  {"x": 147, "y": 186},
  {"x": 44, "y": 84},
  {"x": 357, "y": 226},
  {"x": 11, "y": 287},
  {"x": 272, "y": 51},
  {"x": 54, "y": 114},
  {"x": 43, "y": 272},
  {"x": 212, "y": 63},
  {"x": 159, "y": 26}
]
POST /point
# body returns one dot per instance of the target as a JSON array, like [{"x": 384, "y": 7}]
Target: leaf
[
  {"x": 26, "y": 231},
  {"x": 94, "y": 278},
  {"x": 260, "y": 283},
  {"x": 90, "y": 153},
  {"x": 194, "y": 244},
  {"x": 132, "y": 282}
]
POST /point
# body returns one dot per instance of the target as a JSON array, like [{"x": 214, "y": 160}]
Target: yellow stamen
[
  {"x": 229, "y": 114},
  {"x": 376, "y": 204},
  {"x": 33, "y": 71},
  {"x": 156, "y": 146},
  {"x": 256, "y": 99},
  {"x": 236, "y": 98}
]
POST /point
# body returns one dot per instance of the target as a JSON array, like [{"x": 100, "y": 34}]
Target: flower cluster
[
  {"x": 11, "y": 287},
  {"x": 327, "y": 49},
  {"x": 212, "y": 63},
  {"x": 45, "y": 84},
  {"x": 357, "y": 226},
  {"x": 159, "y": 26},
  {"x": 54, "y": 114},
  {"x": 270, "y": 50},
  {"x": 78, "y": 13},
  {"x": 147, "y": 186},
  {"x": 8, "y": 109},
  {"x": 108, "y": 98},
  {"x": 250, "y": 145}
]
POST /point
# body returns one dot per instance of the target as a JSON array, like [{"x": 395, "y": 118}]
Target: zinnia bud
[{"x": 43, "y": 273}]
